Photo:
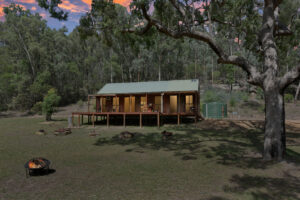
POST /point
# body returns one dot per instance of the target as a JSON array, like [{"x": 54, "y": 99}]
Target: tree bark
[
  {"x": 297, "y": 92},
  {"x": 275, "y": 142}
]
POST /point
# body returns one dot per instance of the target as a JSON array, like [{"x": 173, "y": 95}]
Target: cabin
[{"x": 179, "y": 98}]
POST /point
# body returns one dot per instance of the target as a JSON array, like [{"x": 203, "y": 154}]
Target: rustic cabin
[{"x": 179, "y": 98}]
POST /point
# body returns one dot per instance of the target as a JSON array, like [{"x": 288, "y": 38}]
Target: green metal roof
[{"x": 150, "y": 87}]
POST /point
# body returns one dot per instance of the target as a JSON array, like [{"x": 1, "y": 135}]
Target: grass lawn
[{"x": 218, "y": 160}]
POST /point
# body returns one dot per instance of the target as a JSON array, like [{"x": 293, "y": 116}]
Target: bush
[
  {"x": 211, "y": 96},
  {"x": 288, "y": 98},
  {"x": 50, "y": 101},
  {"x": 37, "y": 108},
  {"x": 80, "y": 103},
  {"x": 232, "y": 102}
]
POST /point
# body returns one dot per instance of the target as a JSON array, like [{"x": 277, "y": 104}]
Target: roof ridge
[{"x": 153, "y": 81}]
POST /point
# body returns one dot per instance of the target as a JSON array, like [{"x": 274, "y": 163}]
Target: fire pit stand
[{"x": 36, "y": 165}]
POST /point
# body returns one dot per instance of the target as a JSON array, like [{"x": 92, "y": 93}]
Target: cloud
[
  {"x": 88, "y": 2},
  {"x": 124, "y": 3},
  {"x": 67, "y": 5},
  {"x": 26, "y": 1},
  {"x": 1, "y": 14},
  {"x": 5, "y": 4},
  {"x": 33, "y": 8},
  {"x": 43, "y": 15}
]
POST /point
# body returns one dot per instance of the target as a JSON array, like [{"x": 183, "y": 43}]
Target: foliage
[
  {"x": 50, "y": 101},
  {"x": 288, "y": 98},
  {"x": 232, "y": 102},
  {"x": 37, "y": 108}
]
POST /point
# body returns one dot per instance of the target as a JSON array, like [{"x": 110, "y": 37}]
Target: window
[
  {"x": 143, "y": 104},
  {"x": 173, "y": 103},
  {"x": 188, "y": 103}
]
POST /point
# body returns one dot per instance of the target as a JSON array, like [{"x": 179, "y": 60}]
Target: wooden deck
[{"x": 91, "y": 116}]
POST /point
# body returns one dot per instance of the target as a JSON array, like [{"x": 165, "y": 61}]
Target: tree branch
[
  {"x": 254, "y": 77},
  {"x": 290, "y": 77}
]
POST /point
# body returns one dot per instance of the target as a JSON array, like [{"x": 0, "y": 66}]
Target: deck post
[
  {"x": 78, "y": 120},
  {"x": 158, "y": 120},
  {"x": 72, "y": 119},
  {"x": 162, "y": 102},
  {"x": 89, "y": 103},
  {"x": 93, "y": 120},
  {"x": 196, "y": 119},
  {"x": 146, "y": 102},
  {"x": 141, "y": 120},
  {"x": 82, "y": 119},
  {"x": 124, "y": 120},
  {"x": 107, "y": 120},
  {"x": 178, "y": 119}
]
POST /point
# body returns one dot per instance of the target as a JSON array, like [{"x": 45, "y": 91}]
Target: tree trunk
[
  {"x": 48, "y": 117},
  {"x": 297, "y": 92},
  {"x": 274, "y": 143}
]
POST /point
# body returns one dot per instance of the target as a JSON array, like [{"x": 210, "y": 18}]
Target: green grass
[{"x": 197, "y": 163}]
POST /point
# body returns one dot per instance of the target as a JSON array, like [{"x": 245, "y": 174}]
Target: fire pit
[{"x": 37, "y": 166}]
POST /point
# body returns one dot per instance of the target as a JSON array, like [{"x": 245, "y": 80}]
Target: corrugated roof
[{"x": 150, "y": 87}]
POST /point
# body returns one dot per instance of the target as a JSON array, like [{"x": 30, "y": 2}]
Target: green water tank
[{"x": 214, "y": 110}]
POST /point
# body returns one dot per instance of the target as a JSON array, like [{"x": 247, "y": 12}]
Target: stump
[
  {"x": 62, "y": 131},
  {"x": 166, "y": 134},
  {"x": 126, "y": 135}
]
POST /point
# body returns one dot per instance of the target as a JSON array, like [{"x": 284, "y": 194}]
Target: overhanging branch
[
  {"x": 254, "y": 77},
  {"x": 290, "y": 77}
]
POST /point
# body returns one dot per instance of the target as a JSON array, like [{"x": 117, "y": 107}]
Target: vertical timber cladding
[
  {"x": 109, "y": 104},
  {"x": 166, "y": 103},
  {"x": 121, "y": 103},
  {"x": 138, "y": 103}
]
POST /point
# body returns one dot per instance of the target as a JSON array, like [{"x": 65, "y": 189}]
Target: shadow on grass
[
  {"x": 232, "y": 146},
  {"x": 264, "y": 188},
  {"x": 42, "y": 172}
]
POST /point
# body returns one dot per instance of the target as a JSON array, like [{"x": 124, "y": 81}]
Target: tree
[
  {"x": 50, "y": 101},
  {"x": 264, "y": 31}
]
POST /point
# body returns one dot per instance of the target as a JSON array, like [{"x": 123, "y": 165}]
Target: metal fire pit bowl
[{"x": 37, "y": 166}]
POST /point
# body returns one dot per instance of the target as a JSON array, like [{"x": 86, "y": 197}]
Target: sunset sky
[{"x": 76, "y": 9}]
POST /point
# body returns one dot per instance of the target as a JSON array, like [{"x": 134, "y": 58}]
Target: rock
[{"x": 41, "y": 132}]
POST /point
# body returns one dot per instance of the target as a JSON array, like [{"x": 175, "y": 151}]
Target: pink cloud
[
  {"x": 25, "y": 1},
  {"x": 1, "y": 14},
  {"x": 88, "y": 2},
  {"x": 67, "y": 5},
  {"x": 33, "y": 8},
  {"x": 124, "y": 3},
  {"x": 43, "y": 15}
]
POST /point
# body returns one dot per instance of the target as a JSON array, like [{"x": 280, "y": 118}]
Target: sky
[{"x": 76, "y": 9}]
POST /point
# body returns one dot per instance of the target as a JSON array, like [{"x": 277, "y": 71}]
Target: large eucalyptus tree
[{"x": 265, "y": 29}]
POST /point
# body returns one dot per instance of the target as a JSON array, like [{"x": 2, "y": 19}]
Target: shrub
[
  {"x": 80, "y": 103},
  {"x": 288, "y": 98},
  {"x": 50, "y": 101},
  {"x": 211, "y": 96},
  {"x": 37, "y": 108},
  {"x": 232, "y": 102}
]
